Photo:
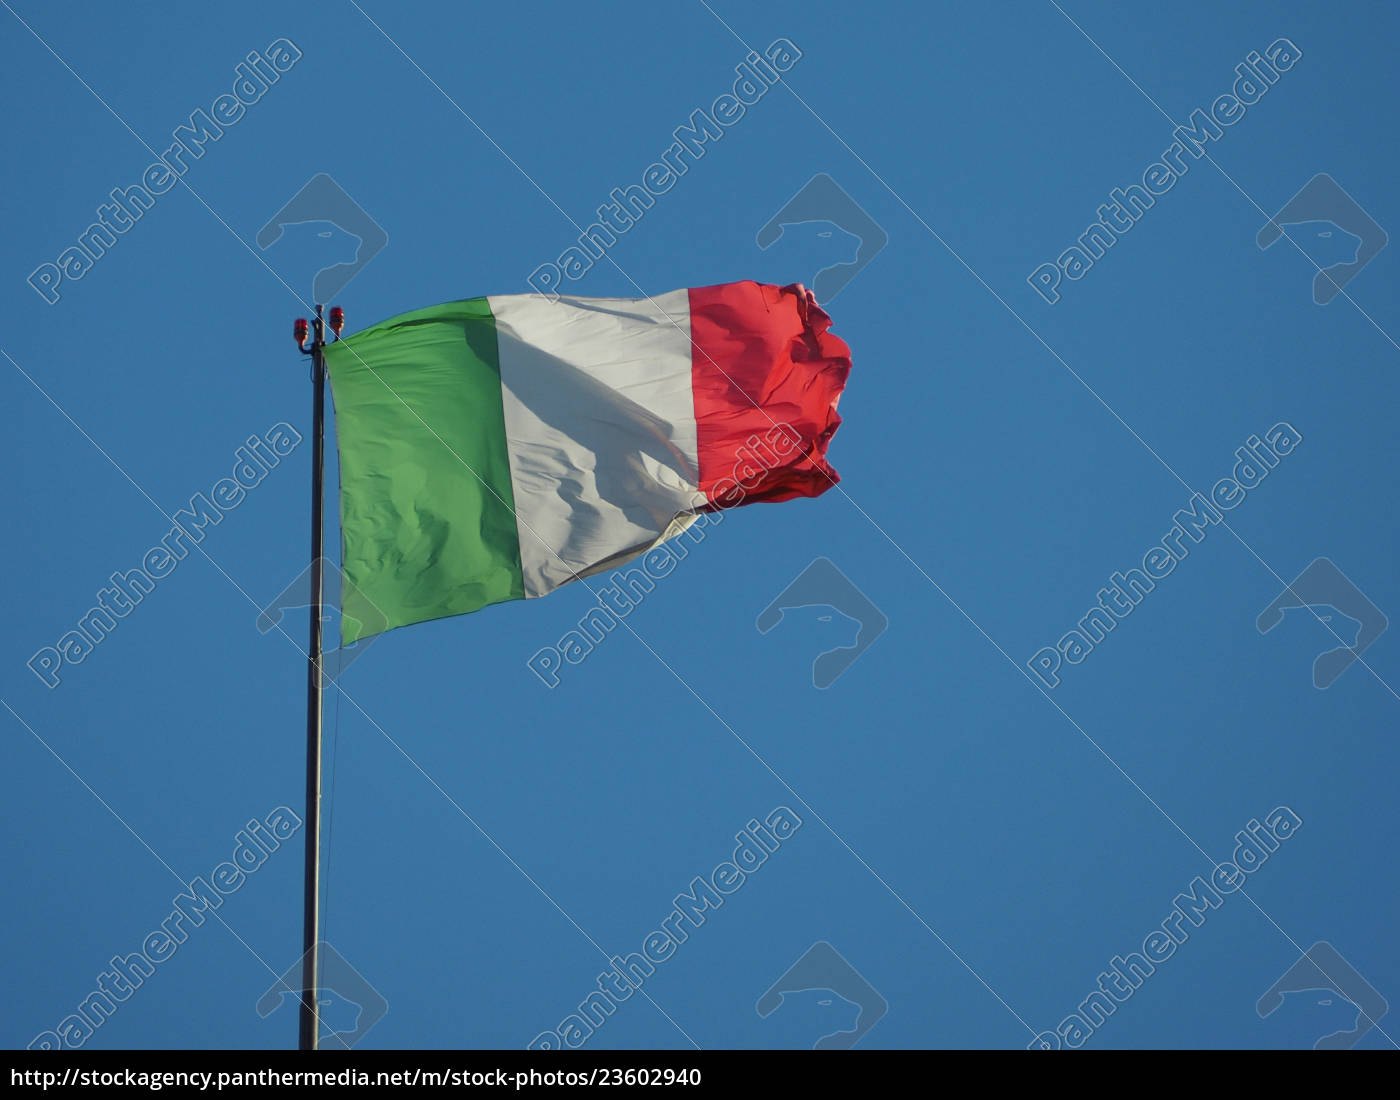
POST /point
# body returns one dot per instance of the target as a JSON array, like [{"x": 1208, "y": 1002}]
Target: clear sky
[{"x": 976, "y": 845}]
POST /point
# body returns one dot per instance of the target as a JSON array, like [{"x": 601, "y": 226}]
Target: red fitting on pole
[
  {"x": 301, "y": 328},
  {"x": 337, "y": 320}
]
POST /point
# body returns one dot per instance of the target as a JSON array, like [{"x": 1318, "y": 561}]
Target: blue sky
[{"x": 976, "y": 846}]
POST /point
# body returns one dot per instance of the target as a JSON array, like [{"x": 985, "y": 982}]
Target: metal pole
[{"x": 309, "y": 1028}]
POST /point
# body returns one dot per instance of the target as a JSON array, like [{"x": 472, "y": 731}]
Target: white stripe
[{"x": 600, "y": 424}]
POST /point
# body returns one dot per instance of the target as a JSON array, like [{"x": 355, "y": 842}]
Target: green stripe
[{"x": 426, "y": 508}]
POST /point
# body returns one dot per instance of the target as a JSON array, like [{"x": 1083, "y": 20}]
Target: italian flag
[{"x": 496, "y": 448}]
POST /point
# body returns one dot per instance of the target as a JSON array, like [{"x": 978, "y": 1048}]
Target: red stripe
[{"x": 767, "y": 376}]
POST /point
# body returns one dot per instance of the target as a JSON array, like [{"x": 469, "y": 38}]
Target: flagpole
[{"x": 308, "y": 1030}]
